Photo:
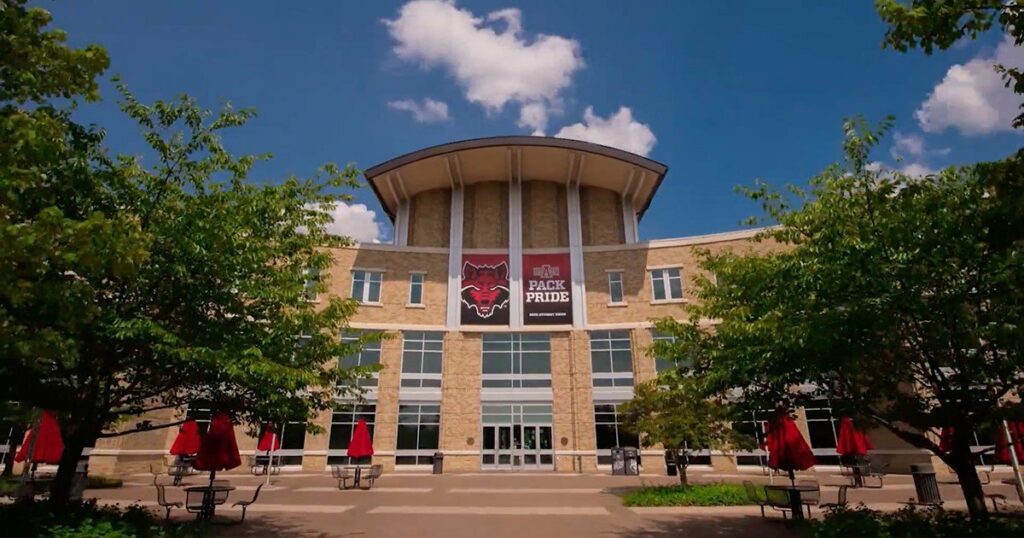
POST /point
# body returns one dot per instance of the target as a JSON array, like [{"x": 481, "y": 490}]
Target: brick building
[{"x": 520, "y": 300}]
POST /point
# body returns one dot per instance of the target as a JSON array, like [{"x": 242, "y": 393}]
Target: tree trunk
[
  {"x": 680, "y": 468},
  {"x": 970, "y": 485},
  {"x": 60, "y": 491}
]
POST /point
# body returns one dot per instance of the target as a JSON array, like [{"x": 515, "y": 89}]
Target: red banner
[
  {"x": 547, "y": 289},
  {"x": 485, "y": 293}
]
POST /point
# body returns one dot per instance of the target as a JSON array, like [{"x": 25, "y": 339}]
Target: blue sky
[{"x": 721, "y": 92}]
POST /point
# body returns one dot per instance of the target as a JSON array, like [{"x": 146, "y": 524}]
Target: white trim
[
  {"x": 669, "y": 301},
  {"x": 629, "y": 226},
  {"x": 539, "y": 394},
  {"x": 369, "y": 270},
  {"x": 395, "y": 326},
  {"x": 666, "y": 266},
  {"x": 374, "y": 304},
  {"x": 515, "y": 245},
  {"x": 415, "y": 305},
  {"x": 546, "y": 250},
  {"x": 680, "y": 241},
  {"x": 402, "y": 224},
  {"x": 579, "y": 288},
  {"x": 617, "y": 305},
  {"x": 496, "y": 251},
  {"x": 455, "y": 258},
  {"x": 611, "y": 394},
  {"x": 414, "y": 395},
  {"x": 523, "y": 329}
]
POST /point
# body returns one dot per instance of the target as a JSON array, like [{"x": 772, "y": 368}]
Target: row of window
[
  {"x": 666, "y": 286},
  {"x": 509, "y": 360}
]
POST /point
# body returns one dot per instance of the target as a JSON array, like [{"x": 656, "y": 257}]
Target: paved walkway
[{"x": 496, "y": 505}]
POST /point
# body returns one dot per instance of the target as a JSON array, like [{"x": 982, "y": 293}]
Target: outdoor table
[
  {"x": 795, "y": 502},
  {"x": 357, "y": 471},
  {"x": 206, "y": 513}
]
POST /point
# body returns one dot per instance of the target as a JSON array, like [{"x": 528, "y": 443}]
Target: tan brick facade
[{"x": 546, "y": 201}]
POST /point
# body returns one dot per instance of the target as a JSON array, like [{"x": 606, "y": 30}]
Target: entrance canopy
[{"x": 523, "y": 158}]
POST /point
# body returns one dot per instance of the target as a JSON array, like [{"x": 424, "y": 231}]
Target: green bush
[
  {"x": 910, "y": 523},
  {"x": 103, "y": 482},
  {"x": 692, "y": 495},
  {"x": 87, "y": 520}
]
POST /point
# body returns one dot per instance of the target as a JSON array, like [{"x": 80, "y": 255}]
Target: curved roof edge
[{"x": 518, "y": 140}]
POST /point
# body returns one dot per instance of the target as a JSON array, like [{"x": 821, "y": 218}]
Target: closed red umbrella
[
  {"x": 851, "y": 441},
  {"x": 218, "y": 449},
  {"x": 187, "y": 441},
  {"x": 787, "y": 449},
  {"x": 946, "y": 439},
  {"x": 361, "y": 446},
  {"x": 48, "y": 447},
  {"x": 1003, "y": 447},
  {"x": 269, "y": 440}
]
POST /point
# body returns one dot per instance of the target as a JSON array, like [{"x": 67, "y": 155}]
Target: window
[
  {"x": 421, "y": 359},
  {"x": 419, "y": 432},
  {"x": 615, "y": 288},
  {"x": 415, "y": 288},
  {"x": 311, "y": 283},
  {"x": 611, "y": 358},
  {"x": 368, "y": 355},
  {"x": 754, "y": 425},
  {"x": 516, "y": 360},
  {"x": 293, "y": 441},
  {"x": 666, "y": 284},
  {"x": 610, "y": 433},
  {"x": 366, "y": 286},
  {"x": 663, "y": 364},
  {"x": 343, "y": 423},
  {"x": 822, "y": 428},
  {"x": 200, "y": 413}
]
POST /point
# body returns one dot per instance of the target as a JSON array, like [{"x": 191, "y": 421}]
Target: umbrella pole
[
  {"x": 24, "y": 493},
  {"x": 270, "y": 455},
  {"x": 1012, "y": 447}
]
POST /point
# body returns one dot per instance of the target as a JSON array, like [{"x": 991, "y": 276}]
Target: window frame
[
  {"x": 310, "y": 282},
  {"x": 416, "y": 342},
  {"x": 656, "y": 337},
  {"x": 604, "y": 454},
  {"x": 353, "y": 335},
  {"x": 354, "y": 411},
  {"x": 514, "y": 354},
  {"x": 417, "y": 279},
  {"x": 617, "y": 273},
  {"x": 664, "y": 283},
  {"x": 365, "y": 280},
  {"x": 615, "y": 376},
  {"x": 421, "y": 455}
]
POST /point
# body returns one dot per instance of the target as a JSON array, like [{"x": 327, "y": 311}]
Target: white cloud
[
  {"x": 972, "y": 97},
  {"x": 494, "y": 66},
  {"x": 917, "y": 170},
  {"x": 619, "y": 130},
  {"x": 355, "y": 221},
  {"x": 429, "y": 111},
  {"x": 907, "y": 145}
]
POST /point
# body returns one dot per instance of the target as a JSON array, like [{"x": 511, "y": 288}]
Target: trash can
[
  {"x": 632, "y": 460},
  {"x": 925, "y": 484},
  {"x": 618, "y": 461},
  {"x": 670, "y": 464},
  {"x": 438, "y": 462}
]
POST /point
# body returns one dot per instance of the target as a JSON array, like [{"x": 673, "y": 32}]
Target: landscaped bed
[{"x": 692, "y": 495}]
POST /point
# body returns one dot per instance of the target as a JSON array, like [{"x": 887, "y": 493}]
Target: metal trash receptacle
[
  {"x": 631, "y": 456},
  {"x": 618, "y": 461},
  {"x": 925, "y": 485},
  {"x": 438, "y": 462},
  {"x": 670, "y": 465}
]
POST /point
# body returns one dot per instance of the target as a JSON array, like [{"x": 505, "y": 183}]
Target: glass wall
[
  {"x": 367, "y": 356},
  {"x": 419, "y": 432},
  {"x": 517, "y": 436},
  {"x": 516, "y": 360},
  {"x": 610, "y": 433},
  {"x": 611, "y": 358},
  {"x": 343, "y": 423},
  {"x": 421, "y": 359}
]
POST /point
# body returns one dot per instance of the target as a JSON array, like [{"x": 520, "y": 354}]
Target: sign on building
[
  {"x": 547, "y": 289},
  {"x": 485, "y": 293}
]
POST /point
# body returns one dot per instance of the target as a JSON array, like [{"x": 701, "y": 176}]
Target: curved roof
[{"x": 528, "y": 158}]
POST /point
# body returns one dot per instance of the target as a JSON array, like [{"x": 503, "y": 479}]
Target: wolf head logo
[{"x": 485, "y": 287}]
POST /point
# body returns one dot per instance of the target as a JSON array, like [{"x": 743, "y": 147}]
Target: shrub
[
  {"x": 692, "y": 495},
  {"x": 87, "y": 520},
  {"x": 103, "y": 482},
  {"x": 910, "y": 523}
]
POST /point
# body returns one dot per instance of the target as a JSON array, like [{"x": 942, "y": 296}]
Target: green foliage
[
  {"x": 932, "y": 24},
  {"x": 690, "y": 495},
  {"x": 897, "y": 297},
  {"x": 103, "y": 482},
  {"x": 90, "y": 521},
  {"x": 673, "y": 411},
  {"x": 130, "y": 284},
  {"x": 909, "y": 523}
]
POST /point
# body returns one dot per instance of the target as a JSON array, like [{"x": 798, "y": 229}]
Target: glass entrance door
[{"x": 517, "y": 436}]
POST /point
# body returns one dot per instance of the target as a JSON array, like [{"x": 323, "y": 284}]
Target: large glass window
[
  {"x": 421, "y": 359},
  {"x": 823, "y": 429},
  {"x": 666, "y": 284},
  {"x": 201, "y": 413},
  {"x": 516, "y": 360},
  {"x": 366, "y": 286},
  {"x": 343, "y": 423},
  {"x": 615, "y": 294},
  {"x": 292, "y": 435},
  {"x": 310, "y": 283},
  {"x": 419, "y": 432},
  {"x": 368, "y": 355},
  {"x": 611, "y": 358},
  {"x": 663, "y": 364},
  {"x": 610, "y": 433},
  {"x": 755, "y": 426}
]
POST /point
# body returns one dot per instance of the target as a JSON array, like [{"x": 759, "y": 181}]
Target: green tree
[
  {"x": 938, "y": 24},
  {"x": 889, "y": 296},
  {"x": 130, "y": 284},
  {"x": 674, "y": 412}
]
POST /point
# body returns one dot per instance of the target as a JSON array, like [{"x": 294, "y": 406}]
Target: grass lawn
[{"x": 692, "y": 495}]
